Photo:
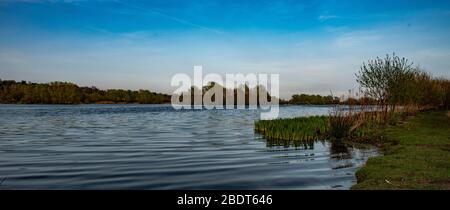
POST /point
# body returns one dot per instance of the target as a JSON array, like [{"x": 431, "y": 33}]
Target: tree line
[
  {"x": 12, "y": 92},
  {"x": 394, "y": 81},
  {"x": 389, "y": 82},
  {"x": 305, "y": 99}
]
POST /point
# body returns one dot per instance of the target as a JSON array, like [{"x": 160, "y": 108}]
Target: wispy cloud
[
  {"x": 327, "y": 17},
  {"x": 357, "y": 39},
  {"x": 176, "y": 19}
]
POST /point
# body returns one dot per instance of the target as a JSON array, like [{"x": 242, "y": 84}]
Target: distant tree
[
  {"x": 69, "y": 93},
  {"x": 303, "y": 99}
]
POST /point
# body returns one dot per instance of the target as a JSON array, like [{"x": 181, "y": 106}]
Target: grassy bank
[
  {"x": 416, "y": 155},
  {"x": 416, "y": 149}
]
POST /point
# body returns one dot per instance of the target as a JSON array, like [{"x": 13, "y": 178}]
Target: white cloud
[
  {"x": 357, "y": 40},
  {"x": 327, "y": 17}
]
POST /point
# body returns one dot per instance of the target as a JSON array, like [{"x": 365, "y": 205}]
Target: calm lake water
[{"x": 156, "y": 147}]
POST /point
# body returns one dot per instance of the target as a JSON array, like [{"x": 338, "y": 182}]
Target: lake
[{"x": 157, "y": 147}]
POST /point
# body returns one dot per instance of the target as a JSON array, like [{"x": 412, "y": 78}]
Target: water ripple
[{"x": 157, "y": 147}]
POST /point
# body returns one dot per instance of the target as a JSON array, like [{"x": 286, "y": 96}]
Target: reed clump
[
  {"x": 340, "y": 125},
  {"x": 350, "y": 123},
  {"x": 303, "y": 129},
  {"x": 343, "y": 122}
]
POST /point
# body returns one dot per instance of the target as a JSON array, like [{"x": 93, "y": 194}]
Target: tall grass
[
  {"x": 302, "y": 129},
  {"x": 354, "y": 119},
  {"x": 343, "y": 122},
  {"x": 340, "y": 123}
]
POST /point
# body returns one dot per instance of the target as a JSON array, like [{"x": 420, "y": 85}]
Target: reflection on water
[
  {"x": 156, "y": 147},
  {"x": 305, "y": 144},
  {"x": 338, "y": 150}
]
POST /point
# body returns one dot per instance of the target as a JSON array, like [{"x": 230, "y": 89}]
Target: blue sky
[{"x": 315, "y": 46}]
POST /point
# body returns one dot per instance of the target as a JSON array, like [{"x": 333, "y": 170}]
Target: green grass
[
  {"x": 416, "y": 155},
  {"x": 308, "y": 129},
  {"x": 303, "y": 129}
]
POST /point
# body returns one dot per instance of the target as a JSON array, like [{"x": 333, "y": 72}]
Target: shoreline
[
  {"x": 414, "y": 150},
  {"x": 415, "y": 155}
]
